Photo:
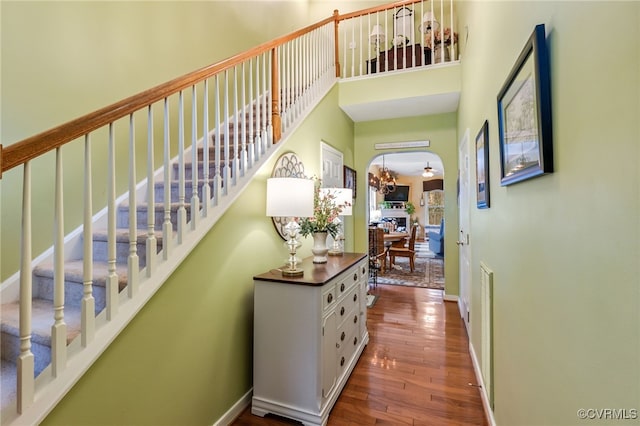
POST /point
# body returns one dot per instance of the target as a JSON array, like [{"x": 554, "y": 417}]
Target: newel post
[
  {"x": 336, "y": 42},
  {"x": 275, "y": 97}
]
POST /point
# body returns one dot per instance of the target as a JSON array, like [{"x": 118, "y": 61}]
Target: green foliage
[
  {"x": 325, "y": 213},
  {"x": 410, "y": 208}
]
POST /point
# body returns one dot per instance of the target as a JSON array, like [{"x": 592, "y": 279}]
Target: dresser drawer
[{"x": 329, "y": 297}]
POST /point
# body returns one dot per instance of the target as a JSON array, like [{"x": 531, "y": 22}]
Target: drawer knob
[
  {"x": 330, "y": 298},
  {"x": 342, "y": 287},
  {"x": 341, "y": 361},
  {"x": 355, "y": 341},
  {"x": 363, "y": 270},
  {"x": 355, "y": 277},
  {"x": 355, "y": 297},
  {"x": 342, "y": 336},
  {"x": 342, "y": 311},
  {"x": 355, "y": 319}
]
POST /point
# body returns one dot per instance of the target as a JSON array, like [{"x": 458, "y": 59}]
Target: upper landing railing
[{"x": 236, "y": 110}]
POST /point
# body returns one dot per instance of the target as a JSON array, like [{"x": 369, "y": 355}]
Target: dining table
[{"x": 395, "y": 238}]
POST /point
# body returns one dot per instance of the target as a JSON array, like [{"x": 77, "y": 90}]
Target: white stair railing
[
  {"x": 406, "y": 34},
  {"x": 224, "y": 158}
]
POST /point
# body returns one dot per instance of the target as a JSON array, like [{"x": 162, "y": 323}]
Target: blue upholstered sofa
[{"x": 436, "y": 240}]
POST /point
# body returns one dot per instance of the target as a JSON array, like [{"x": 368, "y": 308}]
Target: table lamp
[
  {"x": 377, "y": 36},
  {"x": 292, "y": 198},
  {"x": 344, "y": 198}
]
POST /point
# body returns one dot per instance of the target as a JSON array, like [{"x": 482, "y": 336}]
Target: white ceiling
[
  {"x": 406, "y": 107},
  {"x": 410, "y": 163}
]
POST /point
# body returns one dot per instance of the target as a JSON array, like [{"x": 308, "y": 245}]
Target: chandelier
[{"x": 387, "y": 183}]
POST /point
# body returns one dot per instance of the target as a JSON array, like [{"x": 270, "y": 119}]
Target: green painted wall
[
  {"x": 564, "y": 248},
  {"x": 187, "y": 357},
  {"x": 63, "y": 59}
]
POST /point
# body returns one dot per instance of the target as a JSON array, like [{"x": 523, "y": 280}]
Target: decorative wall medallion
[{"x": 288, "y": 165}]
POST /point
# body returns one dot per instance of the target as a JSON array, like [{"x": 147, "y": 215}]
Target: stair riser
[
  {"x": 73, "y": 292},
  {"x": 188, "y": 186},
  {"x": 122, "y": 220},
  {"x": 188, "y": 171},
  {"x": 11, "y": 350},
  {"x": 101, "y": 251}
]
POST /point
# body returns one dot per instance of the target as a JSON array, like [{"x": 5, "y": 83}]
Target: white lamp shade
[
  {"x": 344, "y": 196},
  {"x": 289, "y": 197},
  {"x": 377, "y": 34},
  {"x": 428, "y": 21}
]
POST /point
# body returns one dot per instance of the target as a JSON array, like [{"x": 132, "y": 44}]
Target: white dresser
[{"x": 308, "y": 335}]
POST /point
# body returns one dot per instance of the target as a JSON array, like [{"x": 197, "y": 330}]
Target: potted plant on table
[{"x": 325, "y": 221}]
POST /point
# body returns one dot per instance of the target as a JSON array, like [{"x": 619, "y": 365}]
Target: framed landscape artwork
[
  {"x": 524, "y": 114},
  {"x": 482, "y": 166}
]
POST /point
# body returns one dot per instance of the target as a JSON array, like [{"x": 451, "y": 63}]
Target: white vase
[
  {"x": 319, "y": 248},
  {"x": 438, "y": 58}
]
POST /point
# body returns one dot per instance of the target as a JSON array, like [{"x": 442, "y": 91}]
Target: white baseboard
[
  {"x": 237, "y": 409},
  {"x": 485, "y": 399},
  {"x": 449, "y": 297}
]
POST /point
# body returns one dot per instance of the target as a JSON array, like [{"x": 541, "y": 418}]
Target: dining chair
[{"x": 408, "y": 251}]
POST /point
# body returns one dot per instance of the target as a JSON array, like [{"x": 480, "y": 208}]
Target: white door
[
  {"x": 463, "y": 233},
  {"x": 332, "y": 172}
]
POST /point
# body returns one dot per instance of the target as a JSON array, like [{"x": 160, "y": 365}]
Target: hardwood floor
[{"x": 416, "y": 369}]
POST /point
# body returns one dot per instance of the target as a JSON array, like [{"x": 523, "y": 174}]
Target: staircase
[{"x": 235, "y": 158}]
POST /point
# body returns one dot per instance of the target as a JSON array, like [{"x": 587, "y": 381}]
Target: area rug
[{"x": 428, "y": 271}]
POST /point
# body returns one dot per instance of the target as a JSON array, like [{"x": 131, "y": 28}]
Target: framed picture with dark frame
[
  {"x": 350, "y": 179},
  {"x": 524, "y": 114},
  {"x": 482, "y": 166}
]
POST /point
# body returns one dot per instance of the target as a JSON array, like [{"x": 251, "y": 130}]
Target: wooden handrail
[
  {"x": 375, "y": 9},
  {"x": 39, "y": 144}
]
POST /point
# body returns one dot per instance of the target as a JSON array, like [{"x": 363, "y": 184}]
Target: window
[{"x": 435, "y": 206}]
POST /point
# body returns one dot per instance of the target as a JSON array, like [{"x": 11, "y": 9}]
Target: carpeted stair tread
[
  {"x": 73, "y": 271},
  {"x": 41, "y": 320}
]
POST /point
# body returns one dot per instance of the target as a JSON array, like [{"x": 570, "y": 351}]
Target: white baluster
[
  {"x": 206, "y": 188},
  {"x": 152, "y": 243},
  {"x": 59, "y": 327},
  {"x": 167, "y": 226},
  {"x": 265, "y": 138},
  {"x": 258, "y": 137},
  {"x": 225, "y": 167},
  {"x": 182, "y": 211},
  {"x": 246, "y": 158},
  {"x": 353, "y": 51},
  {"x": 195, "y": 167},
  {"x": 269, "y": 111},
  {"x": 452, "y": 54},
  {"x": 112, "y": 277},
  {"x": 236, "y": 135},
  {"x": 25, "y": 362},
  {"x": 253, "y": 154},
  {"x": 217, "y": 180},
  {"x": 361, "y": 37},
  {"x": 442, "y": 57},
  {"x": 133, "y": 261},
  {"x": 88, "y": 321}
]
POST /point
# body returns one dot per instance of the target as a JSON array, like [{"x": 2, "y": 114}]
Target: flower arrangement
[
  {"x": 399, "y": 41},
  {"x": 325, "y": 213},
  {"x": 439, "y": 36}
]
